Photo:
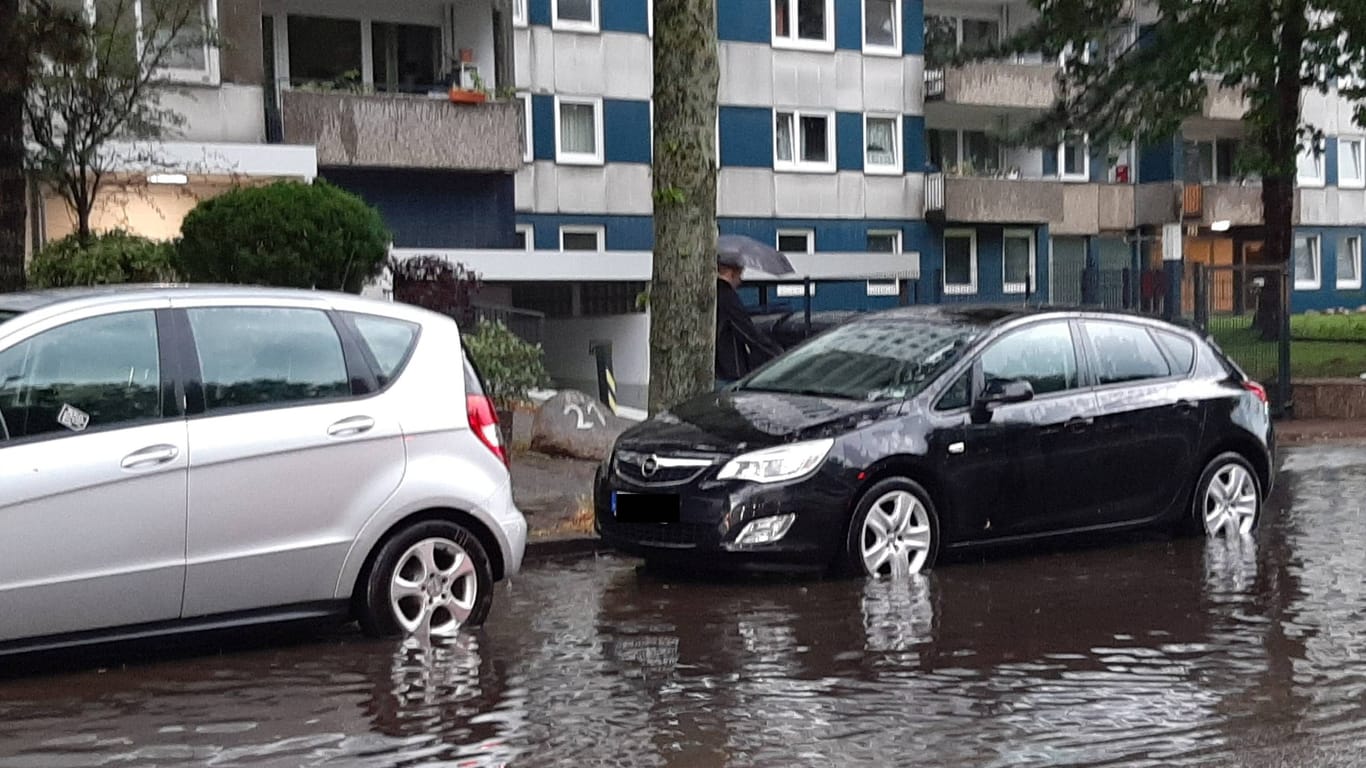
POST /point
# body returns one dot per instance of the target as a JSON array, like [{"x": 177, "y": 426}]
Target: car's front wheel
[
  {"x": 894, "y": 531},
  {"x": 429, "y": 580},
  {"x": 1228, "y": 499}
]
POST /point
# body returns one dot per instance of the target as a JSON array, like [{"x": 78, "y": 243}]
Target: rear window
[
  {"x": 390, "y": 342},
  {"x": 1125, "y": 353},
  {"x": 1179, "y": 349}
]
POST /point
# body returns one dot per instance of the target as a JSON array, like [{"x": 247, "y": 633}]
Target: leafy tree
[
  {"x": 683, "y": 292},
  {"x": 287, "y": 234},
  {"x": 511, "y": 367},
  {"x": 1270, "y": 51},
  {"x": 112, "y": 257},
  {"x": 111, "y": 88}
]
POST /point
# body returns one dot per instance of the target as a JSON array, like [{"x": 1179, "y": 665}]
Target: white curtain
[
  {"x": 1306, "y": 260},
  {"x": 879, "y": 22},
  {"x": 881, "y": 142},
  {"x": 782, "y": 137},
  {"x": 577, "y": 129}
]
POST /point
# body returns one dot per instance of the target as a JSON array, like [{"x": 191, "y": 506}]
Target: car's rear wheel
[
  {"x": 894, "y": 531},
  {"x": 1228, "y": 499},
  {"x": 429, "y": 580}
]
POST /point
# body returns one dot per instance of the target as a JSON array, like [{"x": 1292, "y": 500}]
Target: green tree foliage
[
  {"x": 113, "y": 257},
  {"x": 287, "y": 234},
  {"x": 511, "y": 367}
]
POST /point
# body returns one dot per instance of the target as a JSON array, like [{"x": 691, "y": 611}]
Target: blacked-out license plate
[{"x": 645, "y": 507}]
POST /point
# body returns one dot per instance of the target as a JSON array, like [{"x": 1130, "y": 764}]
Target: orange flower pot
[{"x": 462, "y": 96}]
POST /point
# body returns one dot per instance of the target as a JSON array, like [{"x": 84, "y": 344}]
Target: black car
[{"x": 878, "y": 444}]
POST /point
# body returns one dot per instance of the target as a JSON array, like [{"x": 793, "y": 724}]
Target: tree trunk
[
  {"x": 13, "y": 189},
  {"x": 683, "y": 293}
]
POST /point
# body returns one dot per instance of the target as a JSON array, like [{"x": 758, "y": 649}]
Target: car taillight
[
  {"x": 1256, "y": 389},
  {"x": 484, "y": 422}
]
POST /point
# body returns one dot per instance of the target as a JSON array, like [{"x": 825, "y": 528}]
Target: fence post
[
  {"x": 938, "y": 288},
  {"x": 1285, "y": 386},
  {"x": 1201, "y": 296},
  {"x": 1127, "y": 286},
  {"x": 806, "y": 291},
  {"x": 607, "y": 382},
  {"x": 1088, "y": 286}
]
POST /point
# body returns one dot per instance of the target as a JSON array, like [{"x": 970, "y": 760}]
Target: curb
[{"x": 563, "y": 547}]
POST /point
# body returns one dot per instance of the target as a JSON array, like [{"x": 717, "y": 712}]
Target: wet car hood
[{"x": 730, "y": 422}]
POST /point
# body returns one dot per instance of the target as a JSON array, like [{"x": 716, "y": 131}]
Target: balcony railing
[
  {"x": 1007, "y": 84},
  {"x": 934, "y": 193}
]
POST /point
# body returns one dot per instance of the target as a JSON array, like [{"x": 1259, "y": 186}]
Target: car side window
[
  {"x": 390, "y": 341},
  {"x": 958, "y": 394},
  {"x": 90, "y": 374},
  {"x": 1124, "y": 353},
  {"x": 1180, "y": 349},
  {"x": 1041, "y": 354},
  {"x": 262, "y": 356}
]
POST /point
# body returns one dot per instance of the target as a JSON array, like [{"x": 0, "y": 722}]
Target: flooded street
[{"x": 1145, "y": 651}]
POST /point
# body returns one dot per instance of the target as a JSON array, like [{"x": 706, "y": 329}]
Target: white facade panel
[
  {"x": 614, "y": 189},
  {"x": 884, "y": 85},
  {"x": 894, "y": 197},
  {"x": 525, "y": 185},
  {"x": 628, "y": 189},
  {"x": 541, "y": 76},
  {"x": 611, "y": 65},
  {"x": 547, "y": 197},
  {"x": 913, "y": 84},
  {"x": 849, "y": 81},
  {"x": 580, "y": 190},
  {"x": 745, "y": 192},
  {"x": 746, "y": 74},
  {"x": 522, "y": 47},
  {"x": 806, "y": 195},
  {"x": 229, "y": 114},
  {"x": 853, "y": 195}
]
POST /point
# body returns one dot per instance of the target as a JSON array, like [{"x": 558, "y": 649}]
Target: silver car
[{"x": 187, "y": 458}]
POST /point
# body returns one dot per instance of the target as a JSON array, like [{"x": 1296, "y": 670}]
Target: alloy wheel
[
  {"x": 433, "y": 588},
  {"x": 896, "y": 536},
  {"x": 1230, "y": 505}
]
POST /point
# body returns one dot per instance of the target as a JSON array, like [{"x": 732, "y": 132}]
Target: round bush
[
  {"x": 110, "y": 258},
  {"x": 286, "y": 234}
]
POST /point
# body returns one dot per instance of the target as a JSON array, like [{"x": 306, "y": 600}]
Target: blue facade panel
[
  {"x": 538, "y": 12},
  {"x": 744, "y": 21},
  {"x": 1330, "y": 161},
  {"x": 1327, "y": 295},
  {"x": 746, "y": 137},
  {"x": 437, "y": 209},
  {"x": 1158, "y": 162},
  {"x": 626, "y": 131},
  {"x": 913, "y": 27},
  {"x": 849, "y": 141},
  {"x": 543, "y": 126},
  {"x": 625, "y": 16},
  {"x": 913, "y": 130},
  {"x": 620, "y": 233},
  {"x": 849, "y": 25}
]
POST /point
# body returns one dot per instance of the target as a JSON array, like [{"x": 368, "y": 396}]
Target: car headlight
[{"x": 775, "y": 465}]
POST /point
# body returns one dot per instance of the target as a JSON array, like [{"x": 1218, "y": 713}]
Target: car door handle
[
  {"x": 1079, "y": 423},
  {"x": 1185, "y": 405},
  {"x": 152, "y": 456},
  {"x": 355, "y": 425}
]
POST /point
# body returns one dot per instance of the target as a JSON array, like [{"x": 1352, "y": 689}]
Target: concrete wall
[
  {"x": 569, "y": 362},
  {"x": 1330, "y": 399},
  {"x": 983, "y": 200},
  {"x": 150, "y": 211},
  {"x": 231, "y": 114},
  {"x": 1002, "y": 85},
  {"x": 1329, "y": 206},
  {"x": 1239, "y": 205}
]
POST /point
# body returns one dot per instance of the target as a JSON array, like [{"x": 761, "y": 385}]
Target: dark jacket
[{"x": 740, "y": 347}]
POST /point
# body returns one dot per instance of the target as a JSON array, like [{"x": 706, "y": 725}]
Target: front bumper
[{"x": 713, "y": 513}]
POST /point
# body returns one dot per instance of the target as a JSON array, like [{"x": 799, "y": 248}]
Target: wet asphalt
[{"x": 1132, "y": 650}]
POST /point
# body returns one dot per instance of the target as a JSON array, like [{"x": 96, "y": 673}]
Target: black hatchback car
[{"x": 878, "y": 444}]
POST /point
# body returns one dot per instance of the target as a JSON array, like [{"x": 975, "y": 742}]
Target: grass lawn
[{"x": 1308, "y": 359}]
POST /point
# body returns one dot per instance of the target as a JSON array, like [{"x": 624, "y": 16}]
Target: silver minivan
[{"x": 181, "y": 458}]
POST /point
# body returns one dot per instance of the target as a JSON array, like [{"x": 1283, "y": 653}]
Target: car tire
[
  {"x": 903, "y": 540},
  {"x": 1228, "y": 498},
  {"x": 430, "y": 579}
]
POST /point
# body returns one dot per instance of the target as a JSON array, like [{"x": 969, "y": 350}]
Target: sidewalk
[{"x": 1302, "y": 431}]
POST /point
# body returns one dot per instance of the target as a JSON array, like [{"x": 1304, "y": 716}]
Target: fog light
[{"x": 765, "y": 530}]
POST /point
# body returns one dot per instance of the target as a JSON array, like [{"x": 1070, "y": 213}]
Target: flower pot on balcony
[{"x": 462, "y": 96}]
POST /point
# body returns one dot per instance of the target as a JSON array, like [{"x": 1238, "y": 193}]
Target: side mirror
[{"x": 1001, "y": 392}]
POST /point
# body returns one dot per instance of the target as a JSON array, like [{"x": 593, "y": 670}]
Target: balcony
[
  {"x": 994, "y": 84},
  {"x": 1068, "y": 208},
  {"x": 1223, "y": 103},
  {"x": 404, "y": 131},
  {"x": 1240, "y": 205}
]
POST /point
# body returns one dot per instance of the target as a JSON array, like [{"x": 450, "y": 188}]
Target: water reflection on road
[{"x": 1146, "y": 651}]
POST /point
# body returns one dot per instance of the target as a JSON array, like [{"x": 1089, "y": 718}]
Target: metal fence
[
  {"x": 1245, "y": 309},
  {"x": 529, "y": 326}
]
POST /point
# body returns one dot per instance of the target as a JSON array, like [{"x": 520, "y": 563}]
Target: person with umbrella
[{"x": 740, "y": 346}]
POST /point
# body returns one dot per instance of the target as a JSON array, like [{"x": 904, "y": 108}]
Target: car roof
[{"x": 990, "y": 316}]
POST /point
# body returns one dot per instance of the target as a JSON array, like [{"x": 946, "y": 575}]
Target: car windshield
[{"x": 867, "y": 360}]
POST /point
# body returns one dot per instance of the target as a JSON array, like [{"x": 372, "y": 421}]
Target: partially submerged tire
[
  {"x": 894, "y": 531},
  {"x": 1228, "y": 498},
  {"x": 430, "y": 579}
]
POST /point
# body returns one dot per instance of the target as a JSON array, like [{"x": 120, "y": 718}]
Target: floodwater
[{"x": 1141, "y": 651}]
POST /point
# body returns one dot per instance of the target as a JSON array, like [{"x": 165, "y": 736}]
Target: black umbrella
[{"x": 748, "y": 253}]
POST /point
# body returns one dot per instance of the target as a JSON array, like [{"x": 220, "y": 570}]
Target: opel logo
[{"x": 649, "y": 466}]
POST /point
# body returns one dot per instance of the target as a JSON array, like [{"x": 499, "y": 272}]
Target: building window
[
  {"x": 803, "y": 141},
  {"x": 946, "y": 35},
  {"x": 960, "y": 261},
  {"x": 882, "y": 27},
  {"x": 407, "y": 58},
  {"x": 1310, "y": 167},
  {"x": 965, "y": 153},
  {"x": 1307, "y": 264},
  {"x": 1017, "y": 262},
  {"x": 1210, "y": 161},
  {"x": 574, "y": 15},
  {"x": 797, "y": 241},
  {"x": 526, "y": 237},
  {"x": 807, "y": 24},
  {"x": 1351, "y": 170},
  {"x": 581, "y": 238},
  {"x": 528, "y": 147},
  {"x": 519, "y": 17},
  {"x": 1349, "y": 262},
  {"x": 884, "y": 242},
  {"x": 578, "y": 131},
  {"x": 326, "y": 51},
  {"x": 1074, "y": 158},
  {"x": 189, "y": 56},
  {"x": 882, "y": 144}
]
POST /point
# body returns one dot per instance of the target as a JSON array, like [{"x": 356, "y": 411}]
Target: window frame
[
  {"x": 591, "y": 26},
  {"x": 1315, "y": 245},
  {"x": 1318, "y": 180},
  {"x": 580, "y": 158},
  {"x": 1355, "y": 242},
  {"x": 529, "y": 236},
  {"x": 1360, "y": 143},
  {"x": 1093, "y": 355},
  {"x": 1031, "y": 284},
  {"x": 520, "y": 16},
  {"x": 794, "y": 41},
  {"x": 211, "y": 75},
  {"x": 898, "y": 21},
  {"x": 808, "y": 233},
  {"x": 1085, "y": 174},
  {"x": 597, "y": 230},
  {"x": 884, "y": 287},
  {"x": 897, "y": 167},
  {"x": 797, "y": 165},
  {"x": 528, "y": 130},
  {"x": 959, "y": 289},
  {"x": 171, "y": 377}
]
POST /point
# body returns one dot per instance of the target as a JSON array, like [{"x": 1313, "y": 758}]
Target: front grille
[
  {"x": 636, "y": 466},
  {"x": 661, "y": 534}
]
